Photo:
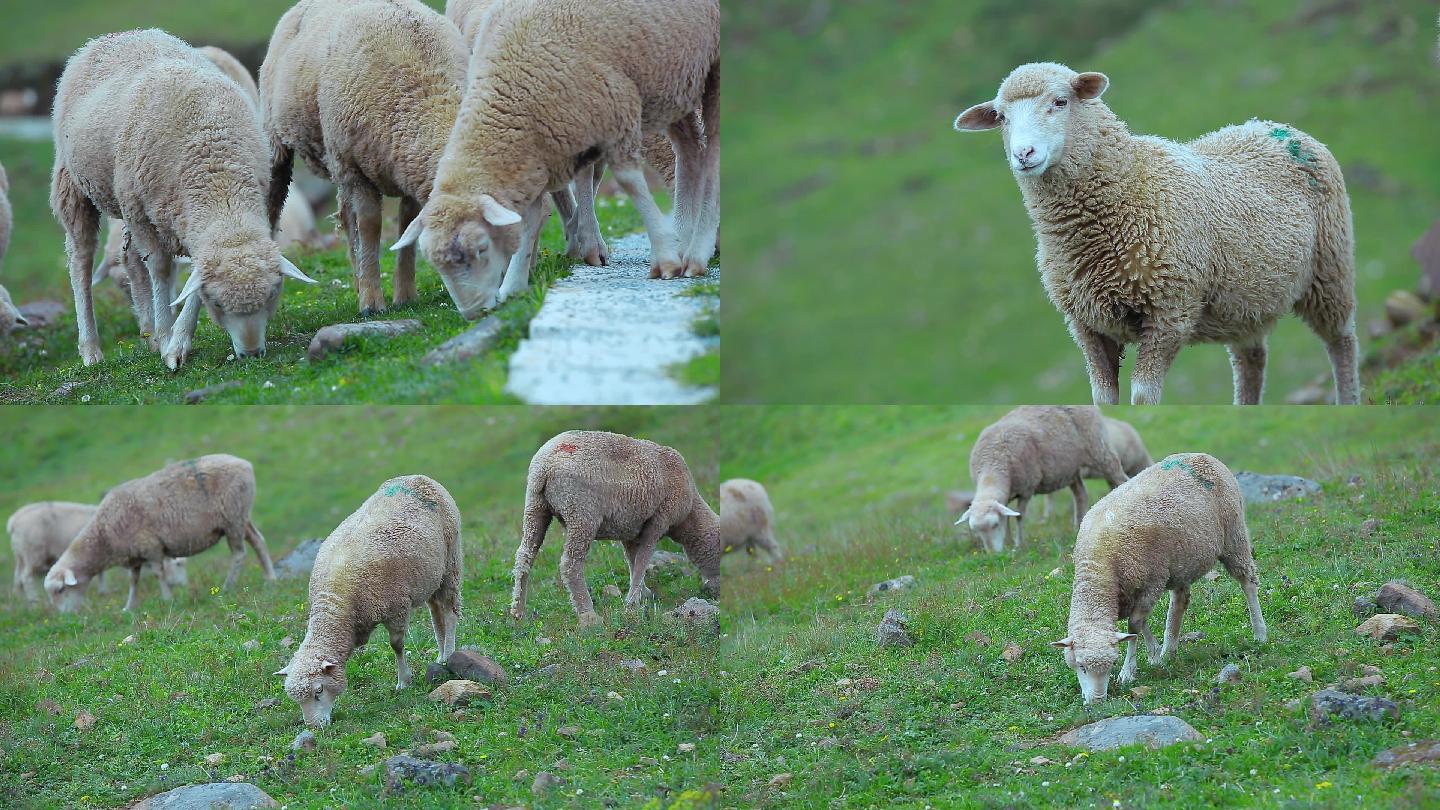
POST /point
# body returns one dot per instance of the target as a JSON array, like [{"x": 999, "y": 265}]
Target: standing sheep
[
  {"x": 1125, "y": 441},
  {"x": 1034, "y": 449},
  {"x": 177, "y": 511},
  {"x": 1162, "y": 530},
  {"x": 151, "y": 132},
  {"x": 1144, "y": 240},
  {"x": 747, "y": 519},
  {"x": 40, "y": 533},
  {"x": 398, "y": 551},
  {"x": 606, "y": 485},
  {"x": 10, "y": 317},
  {"x": 553, "y": 87}
]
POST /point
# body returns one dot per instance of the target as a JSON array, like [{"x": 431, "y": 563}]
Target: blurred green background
[{"x": 889, "y": 259}]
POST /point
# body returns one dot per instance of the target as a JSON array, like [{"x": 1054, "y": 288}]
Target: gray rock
[
  {"x": 546, "y": 672},
  {"x": 402, "y": 770},
  {"x": 884, "y": 588},
  {"x": 43, "y": 313},
  {"x": 891, "y": 632},
  {"x": 1364, "y": 607},
  {"x": 697, "y": 613},
  {"x": 334, "y": 336},
  {"x": 299, "y": 561},
  {"x": 469, "y": 344},
  {"x": 1230, "y": 673},
  {"x": 473, "y": 666},
  {"x": 436, "y": 674},
  {"x": 1155, "y": 731},
  {"x": 199, "y": 395},
  {"x": 1424, "y": 751},
  {"x": 1258, "y": 488},
  {"x": 1329, "y": 704},
  {"x": 1398, "y": 597},
  {"x": 304, "y": 741},
  {"x": 213, "y": 796},
  {"x": 662, "y": 558},
  {"x": 544, "y": 783}
]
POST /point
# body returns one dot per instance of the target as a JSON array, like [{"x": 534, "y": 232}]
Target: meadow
[{"x": 870, "y": 231}]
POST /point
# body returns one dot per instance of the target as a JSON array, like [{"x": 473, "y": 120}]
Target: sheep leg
[
  {"x": 1082, "y": 500},
  {"x": 537, "y": 522},
  {"x": 1102, "y": 363},
  {"x": 1158, "y": 349},
  {"x": 1344, "y": 354},
  {"x": 365, "y": 241},
  {"x": 767, "y": 542},
  {"x": 637, "y": 554},
  {"x": 33, "y": 585},
  {"x": 578, "y": 538},
  {"x": 700, "y": 245},
  {"x": 397, "y": 643},
  {"x": 142, "y": 297},
  {"x": 1179, "y": 601},
  {"x": 517, "y": 274},
  {"x": 100, "y": 585},
  {"x": 1021, "y": 502},
  {"x": 162, "y": 278},
  {"x": 164, "y": 585},
  {"x": 183, "y": 333},
  {"x": 405, "y": 291},
  {"x": 133, "y": 601},
  {"x": 583, "y": 239},
  {"x": 1127, "y": 670},
  {"x": 237, "y": 557},
  {"x": 443, "y": 620},
  {"x": 345, "y": 217},
  {"x": 1328, "y": 307},
  {"x": 686, "y": 141},
  {"x": 1241, "y": 565},
  {"x": 664, "y": 250},
  {"x": 81, "y": 220},
  {"x": 1247, "y": 362},
  {"x": 262, "y": 552}
]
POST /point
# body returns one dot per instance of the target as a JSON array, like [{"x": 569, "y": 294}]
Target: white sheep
[
  {"x": 747, "y": 520},
  {"x": 10, "y": 316},
  {"x": 604, "y": 485},
  {"x": 1162, "y": 530},
  {"x": 177, "y": 511},
  {"x": 401, "y": 549},
  {"x": 40, "y": 533},
  {"x": 1144, "y": 240},
  {"x": 151, "y": 132},
  {"x": 1033, "y": 450},
  {"x": 554, "y": 86}
]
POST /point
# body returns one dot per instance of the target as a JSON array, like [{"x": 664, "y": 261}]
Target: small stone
[
  {"x": 521, "y": 775},
  {"x": 634, "y": 666},
  {"x": 458, "y": 693},
  {"x": 685, "y": 748},
  {"x": 1230, "y": 673},
  {"x": 199, "y": 395},
  {"x": 287, "y": 641},
  {"x": 884, "y": 588},
  {"x": 1361, "y": 684},
  {"x": 611, "y": 590},
  {"x": 267, "y": 703},
  {"x": 780, "y": 780},
  {"x": 697, "y": 613},
  {"x": 544, "y": 783},
  {"x": 561, "y": 764},
  {"x": 978, "y": 637},
  {"x": 250, "y": 646},
  {"x": 300, "y": 560},
  {"x": 49, "y": 707},
  {"x": 235, "y": 777},
  {"x": 84, "y": 720},
  {"x": 304, "y": 741},
  {"x": 1403, "y": 307},
  {"x": 401, "y": 770},
  {"x": 1041, "y": 761},
  {"x": 436, "y": 674},
  {"x": 1387, "y": 626},
  {"x": 128, "y": 640},
  {"x": 334, "y": 336},
  {"x": 891, "y": 631},
  {"x": 215, "y": 760},
  {"x": 1191, "y": 637},
  {"x": 442, "y": 736},
  {"x": 1258, "y": 488},
  {"x": 1156, "y": 731},
  {"x": 844, "y": 683},
  {"x": 1212, "y": 575},
  {"x": 1302, "y": 674},
  {"x": 1012, "y": 652},
  {"x": 612, "y": 695},
  {"x": 237, "y": 795},
  {"x": 1367, "y": 670},
  {"x": 547, "y": 671},
  {"x": 1364, "y": 607},
  {"x": 1398, "y": 597},
  {"x": 1425, "y": 751},
  {"x": 1367, "y": 529},
  {"x": 376, "y": 740},
  {"x": 568, "y": 731},
  {"x": 429, "y": 750},
  {"x": 543, "y": 641},
  {"x": 1328, "y": 704},
  {"x": 1140, "y": 692},
  {"x": 473, "y": 342},
  {"x": 471, "y": 666}
]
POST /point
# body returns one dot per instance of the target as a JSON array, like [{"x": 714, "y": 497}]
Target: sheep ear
[
  {"x": 1089, "y": 85},
  {"x": 1119, "y": 637},
  {"x": 192, "y": 285},
  {"x": 1062, "y": 643},
  {"x": 979, "y": 117},
  {"x": 20, "y": 319},
  {"x": 328, "y": 667},
  {"x": 289, "y": 269},
  {"x": 283, "y": 671},
  {"x": 412, "y": 233},
  {"x": 1005, "y": 510},
  {"x": 495, "y": 213},
  {"x": 964, "y": 516},
  {"x": 70, "y": 577}
]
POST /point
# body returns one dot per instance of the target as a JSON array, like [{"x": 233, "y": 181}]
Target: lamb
[
  {"x": 40, "y": 533},
  {"x": 606, "y": 485},
  {"x": 1144, "y": 240},
  {"x": 1162, "y": 530},
  {"x": 151, "y": 132},
  {"x": 747, "y": 519},
  {"x": 554, "y": 86},
  {"x": 10, "y": 316},
  {"x": 399, "y": 550},
  {"x": 177, "y": 511},
  {"x": 1034, "y": 449}
]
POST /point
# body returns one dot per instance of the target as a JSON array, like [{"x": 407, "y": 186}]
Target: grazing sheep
[
  {"x": 400, "y": 550},
  {"x": 367, "y": 93},
  {"x": 177, "y": 511},
  {"x": 40, "y": 533},
  {"x": 1125, "y": 441},
  {"x": 1162, "y": 530},
  {"x": 10, "y": 317},
  {"x": 1034, "y": 449},
  {"x": 554, "y": 86},
  {"x": 606, "y": 485},
  {"x": 747, "y": 519},
  {"x": 151, "y": 132},
  {"x": 1144, "y": 240}
]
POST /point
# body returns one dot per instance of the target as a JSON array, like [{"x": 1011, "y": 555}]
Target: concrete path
[{"x": 608, "y": 335}]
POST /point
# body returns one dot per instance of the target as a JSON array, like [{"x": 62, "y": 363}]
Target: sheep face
[
  {"x": 1035, "y": 110},
  {"x": 10, "y": 317},
  {"x": 239, "y": 283},
  {"x": 315, "y": 684},
  {"x": 66, "y": 586},
  {"x": 990, "y": 520},
  {"x": 1092, "y": 655},
  {"x": 173, "y": 570},
  {"x": 470, "y": 243}
]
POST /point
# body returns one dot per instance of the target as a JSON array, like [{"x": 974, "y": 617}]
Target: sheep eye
[
  {"x": 319, "y": 690},
  {"x": 999, "y": 118},
  {"x": 1060, "y": 102}
]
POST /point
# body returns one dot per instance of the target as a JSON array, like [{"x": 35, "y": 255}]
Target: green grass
[
  {"x": 704, "y": 370},
  {"x": 858, "y": 493},
  {"x": 870, "y": 231},
  {"x": 185, "y": 687}
]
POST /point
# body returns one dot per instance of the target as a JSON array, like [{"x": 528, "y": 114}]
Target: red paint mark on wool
[{"x": 566, "y": 448}]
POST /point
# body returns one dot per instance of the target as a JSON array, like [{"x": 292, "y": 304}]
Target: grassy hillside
[
  {"x": 949, "y": 723},
  {"x": 185, "y": 687},
  {"x": 871, "y": 231}
]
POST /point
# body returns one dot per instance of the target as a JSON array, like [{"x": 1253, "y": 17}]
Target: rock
[
  {"x": 698, "y": 613},
  {"x": 376, "y": 740},
  {"x": 43, "y": 313},
  {"x": 891, "y": 632},
  {"x": 442, "y": 736},
  {"x": 1258, "y": 488},
  {"x": 49, "y": 707},
  {"x": 1364, "y": 606},
  {"x": 1413, "y": 754},
  {"x": 199, "y": 395},
  {"x": 1012, "y": 652},
  {"x": 685, "y": 748},
  {"x": 1302, "y": 674},
  {"x": 1140, "y": 692},
  {"x": 634, "y": 666},
  {"x": 299, "y": 561},
  {"x": 1387, "y": 626},
  {"x": 884, "y": 588},
  {"x": 1369, "y": 527},
  {"x": 1230, "y": 673},
  {"x": 544, "y": 783},
  {"x": 459, "y": 693},
  {"x": 471, "y": 343},
  {"x": 84, "y": 720},
  {"x": 1191, "y": 637},
  {"x": 1366, "y": 669},
  {"x": 304, "y": 741},
  {"x": 568, "y": 731},
  {"x": 472, "y": 666},
  {"x": 613, "y": 695},
  {"x": 978, "y": 637},
  {"x": 215, "y": 760},
  {"x": 612, "y": 590},
  {"x": 267, "y": 703},
  {"x": 229, "y": 795},
  {"x": 402, "y": 770},
  {"x": 1361, "y": 684},
  {"x": 1398, "y": 597},
  {"x": 561, "y": 764},
  {"x": 429, "y": 750},
  {"x": 287, "y": 641},
  {"x": 436, "y": 674},
  {"x": 332, "y": 337},
  {"x": 1330, "y": 703},
  {"x": 662, "y": 558},
  {"x": 250, "y": 646},
  {"x": 780, "y": 780},
  {"x": 1152, "y": 730},
  {"x": 1403, "y": 307}
]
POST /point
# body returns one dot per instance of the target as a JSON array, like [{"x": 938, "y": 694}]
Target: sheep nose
[{"x": 1025, "y": 154}]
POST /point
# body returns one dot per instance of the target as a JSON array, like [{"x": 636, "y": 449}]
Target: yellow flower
[
  {"x": 832, "y": 724},
  {"x": 214, "y": 591},
  {"x": 1322, "y": 785}
]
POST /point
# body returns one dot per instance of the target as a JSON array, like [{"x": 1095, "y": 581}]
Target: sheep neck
[
  {"x": 993, "y": 485},
  {"x": 484, "y": 155},
  {"x": 331, "y": 630},
  {"x": 1095, "y": 596},
  {"x": 1101, "y": 161}
]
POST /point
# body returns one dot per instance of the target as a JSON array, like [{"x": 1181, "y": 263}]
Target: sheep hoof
[
  {"x": 90, "y": 355},
  {"x": 666, "y": 269},
  {"x": 695, "y": 269}
]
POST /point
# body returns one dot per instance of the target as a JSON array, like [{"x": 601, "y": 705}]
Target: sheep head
[
  {"x": 1036, "y": 109},
  {"x": 238, "y": 279},
  {"x": 315, "y": 683},
  {"x": 469, "y": 240},
  {"x": 989, "y": 519},
  {"x": 65, "y": 583},
  {"x": 1091, "y": 652}
]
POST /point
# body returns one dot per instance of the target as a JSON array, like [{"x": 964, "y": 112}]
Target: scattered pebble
[
  {"x": 611, "y": 590},
  {"x": 685, "y": 748},
  {"x": 1230, "y": 673},
  {"x": 1329, "y": 704},
  {"x": 884, "y": 588},
  {"x": 459, "y": 693},
  {"x": 215, "y": 760},
  {"x": 891, "y": 631},
  {"x": 304, "y": 741},
  {"x": 1012, "y": 652},
  {"x": 250, "y": 646},
  {"x": 401, "y": 770},
  {"x": 1387, "y": 626},
  {"x": 376, "y": 740},
  {"x": 568, "y": 731},
  {"x": 429, "y": 750},
  {"x": 544, "y": 783},
  {"x": 781, "y": 780},
  {"x": 84, "y": 720},
  {"x": 1302, "y": 674}
]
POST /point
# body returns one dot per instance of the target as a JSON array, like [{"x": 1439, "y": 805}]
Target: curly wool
[{"x": 747, "y": 519}]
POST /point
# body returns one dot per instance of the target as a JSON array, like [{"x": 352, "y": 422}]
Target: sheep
[
  {"x": 177, "y": 511},
  {"x": 366, "y": 92},
  {"x": 401, "y": 549},
  {"x": 1125, "y": 441},
  {"x": 1145, "y": 240},
  {"x": 747, "y": 519},
  {"x": 1034, "y": 449},
  {"x": 554, "y": 86},
  {"x": 1162, "y": 530},
  {"x": 10, "y": 316},
  {"x": 151, "y": 132},
  {"x": 40, "y": 533},
  {"x": 605, "y": 485}
]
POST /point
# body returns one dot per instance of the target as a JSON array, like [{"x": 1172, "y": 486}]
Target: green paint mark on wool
[
  {"x": 1306, "y": 158},
  {"x": 1177, "y": 464},
  {"x": 393, "y": 489},
  {"x": 1279, "y": 133}
]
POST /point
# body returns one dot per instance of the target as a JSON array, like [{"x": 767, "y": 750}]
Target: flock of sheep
[{"x": 472, "y": 119}]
